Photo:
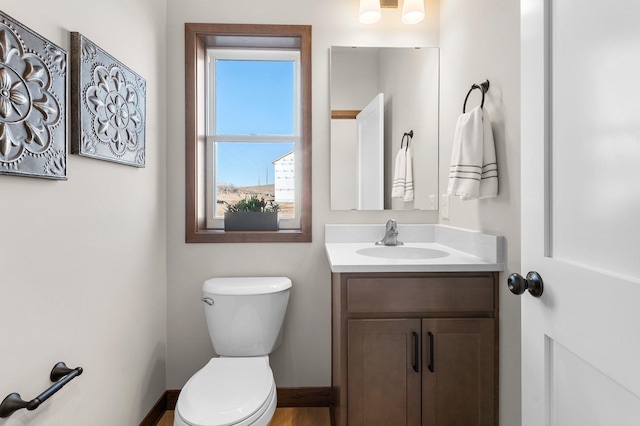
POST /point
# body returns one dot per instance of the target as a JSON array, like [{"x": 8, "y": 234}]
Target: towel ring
[
  {"x": 484, "y": 87},
  {"x": 408, "y": 136}
]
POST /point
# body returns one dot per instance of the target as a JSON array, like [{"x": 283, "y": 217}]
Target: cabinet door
[
  {"x": 383, "y": 386},
  {"x": 458, "y": 372}
]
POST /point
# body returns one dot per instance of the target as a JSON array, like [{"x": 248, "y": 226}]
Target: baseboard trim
[
  {"x": 172, "y": 398},
  {"x": 156, "y": 413},
  {"x": 304, "y": 397},
  {"x": 287, "y": 397}
]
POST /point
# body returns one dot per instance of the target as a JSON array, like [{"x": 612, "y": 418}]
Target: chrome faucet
[{"x": 390, "y": 235}]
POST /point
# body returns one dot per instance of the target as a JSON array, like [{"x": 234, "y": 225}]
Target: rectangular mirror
[{"x": 379, "y": 94}]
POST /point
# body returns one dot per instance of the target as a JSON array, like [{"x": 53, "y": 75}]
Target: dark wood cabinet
[
  {"x": 458, "y": 375},
  {"x": 414, "y": 349},
  {"x": 383, "y": 388}
]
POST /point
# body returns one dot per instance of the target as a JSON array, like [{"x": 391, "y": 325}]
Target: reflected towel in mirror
[{"x": 403, "y": 175}]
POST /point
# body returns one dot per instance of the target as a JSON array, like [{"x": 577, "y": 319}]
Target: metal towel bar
[{"x": 60, "y": 374}]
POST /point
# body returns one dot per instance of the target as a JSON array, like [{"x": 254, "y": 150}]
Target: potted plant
[{"x": 251, "y": 214}]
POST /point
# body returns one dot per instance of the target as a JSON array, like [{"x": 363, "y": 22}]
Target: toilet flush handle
[{"x": 208, "y": 301}]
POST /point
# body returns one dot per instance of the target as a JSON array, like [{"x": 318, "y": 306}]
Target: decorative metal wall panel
[
  {"x": 33, "y": 99},
  {"x": 108, "y": 102}
]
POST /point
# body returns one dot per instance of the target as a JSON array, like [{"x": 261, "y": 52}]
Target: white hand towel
[
  {"x": 489, "y": 179},
  {"x": 408, "y": 175},
  {"x": 403, "y": 175},
  {"x": 399, "y": 173},
  {"x": 473, "y": 163}
]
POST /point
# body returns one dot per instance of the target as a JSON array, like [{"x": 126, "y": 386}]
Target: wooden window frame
[{"x": 199, "y": 37}]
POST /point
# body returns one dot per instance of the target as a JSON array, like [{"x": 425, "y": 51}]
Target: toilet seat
[{"x": 228, "y": 391}]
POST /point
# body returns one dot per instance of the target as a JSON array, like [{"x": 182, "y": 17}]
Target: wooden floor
[{"x": 311, "y": 416}]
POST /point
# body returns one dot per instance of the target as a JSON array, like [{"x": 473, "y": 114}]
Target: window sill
[{"x": 222, "y": 236}]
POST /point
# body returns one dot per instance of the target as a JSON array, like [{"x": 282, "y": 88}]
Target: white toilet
[{"x": 245, "y": 318}]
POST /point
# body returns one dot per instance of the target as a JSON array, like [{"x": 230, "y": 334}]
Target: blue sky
[{"x": 252, "y": 97}]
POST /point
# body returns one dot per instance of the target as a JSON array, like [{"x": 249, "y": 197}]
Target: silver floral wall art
[
  {"x": 108, "y": 101},
  {"x": 33, "y": 96}
]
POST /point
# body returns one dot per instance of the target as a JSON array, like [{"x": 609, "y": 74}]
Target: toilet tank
[{"x": 245, "y": 315}]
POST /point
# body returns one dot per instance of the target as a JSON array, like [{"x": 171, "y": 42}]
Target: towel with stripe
[
  {"x": 474, "y": 169},
  {"x": 403, "y": 175}
]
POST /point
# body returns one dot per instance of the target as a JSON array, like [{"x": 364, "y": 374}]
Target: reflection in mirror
[{"x": 402, "y": 85}]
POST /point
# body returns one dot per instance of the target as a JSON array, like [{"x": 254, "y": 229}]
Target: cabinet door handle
[
  {"x": 431, "y": 357},
  {"x": 416, "y": 352}
]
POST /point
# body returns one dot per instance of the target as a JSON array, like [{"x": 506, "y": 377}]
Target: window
[
  {"x": 252, "y": 124},
  {"x": 248, "y": 127}
]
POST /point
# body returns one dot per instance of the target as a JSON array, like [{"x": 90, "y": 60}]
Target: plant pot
[{"x": 251, "y": 221}]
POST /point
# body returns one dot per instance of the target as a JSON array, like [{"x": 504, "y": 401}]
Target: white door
[
  {"x": 581, "y": 212},
  {"x": 370, "y": 155}
]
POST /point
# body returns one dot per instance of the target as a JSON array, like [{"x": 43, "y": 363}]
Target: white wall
[
  {"x": 304, "y": 357},
  {"x": 83, "y": 262},
  {"x": 478, "y": 41}
]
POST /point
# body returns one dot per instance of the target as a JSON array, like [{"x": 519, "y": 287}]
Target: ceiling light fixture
[
  {"x": 412, "y": 11},
  {"x": 370, "y": 10}
]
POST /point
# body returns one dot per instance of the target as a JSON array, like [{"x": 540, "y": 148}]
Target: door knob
[{"x": 518, "y": 284}]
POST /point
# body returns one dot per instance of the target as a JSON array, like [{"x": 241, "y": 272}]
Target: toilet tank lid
[{"x": 238, "y": 286}]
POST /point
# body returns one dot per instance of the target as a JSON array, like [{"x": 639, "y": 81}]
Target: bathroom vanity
[{"x": 414, "y": 332}]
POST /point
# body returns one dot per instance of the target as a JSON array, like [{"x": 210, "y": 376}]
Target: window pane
[
  {"x": 254, "y": 97},
  {"x": 264, "y": 169}
]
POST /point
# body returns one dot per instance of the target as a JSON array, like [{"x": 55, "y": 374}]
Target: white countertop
[{"x": 466, "y": 250}]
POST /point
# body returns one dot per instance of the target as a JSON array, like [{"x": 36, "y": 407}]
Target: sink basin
[{"x": 402, "y": 252}]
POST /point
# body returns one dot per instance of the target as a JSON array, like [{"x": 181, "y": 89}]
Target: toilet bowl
[
  {"x": 228, "y": 391},
  {"x": 245, "y": 318}
]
